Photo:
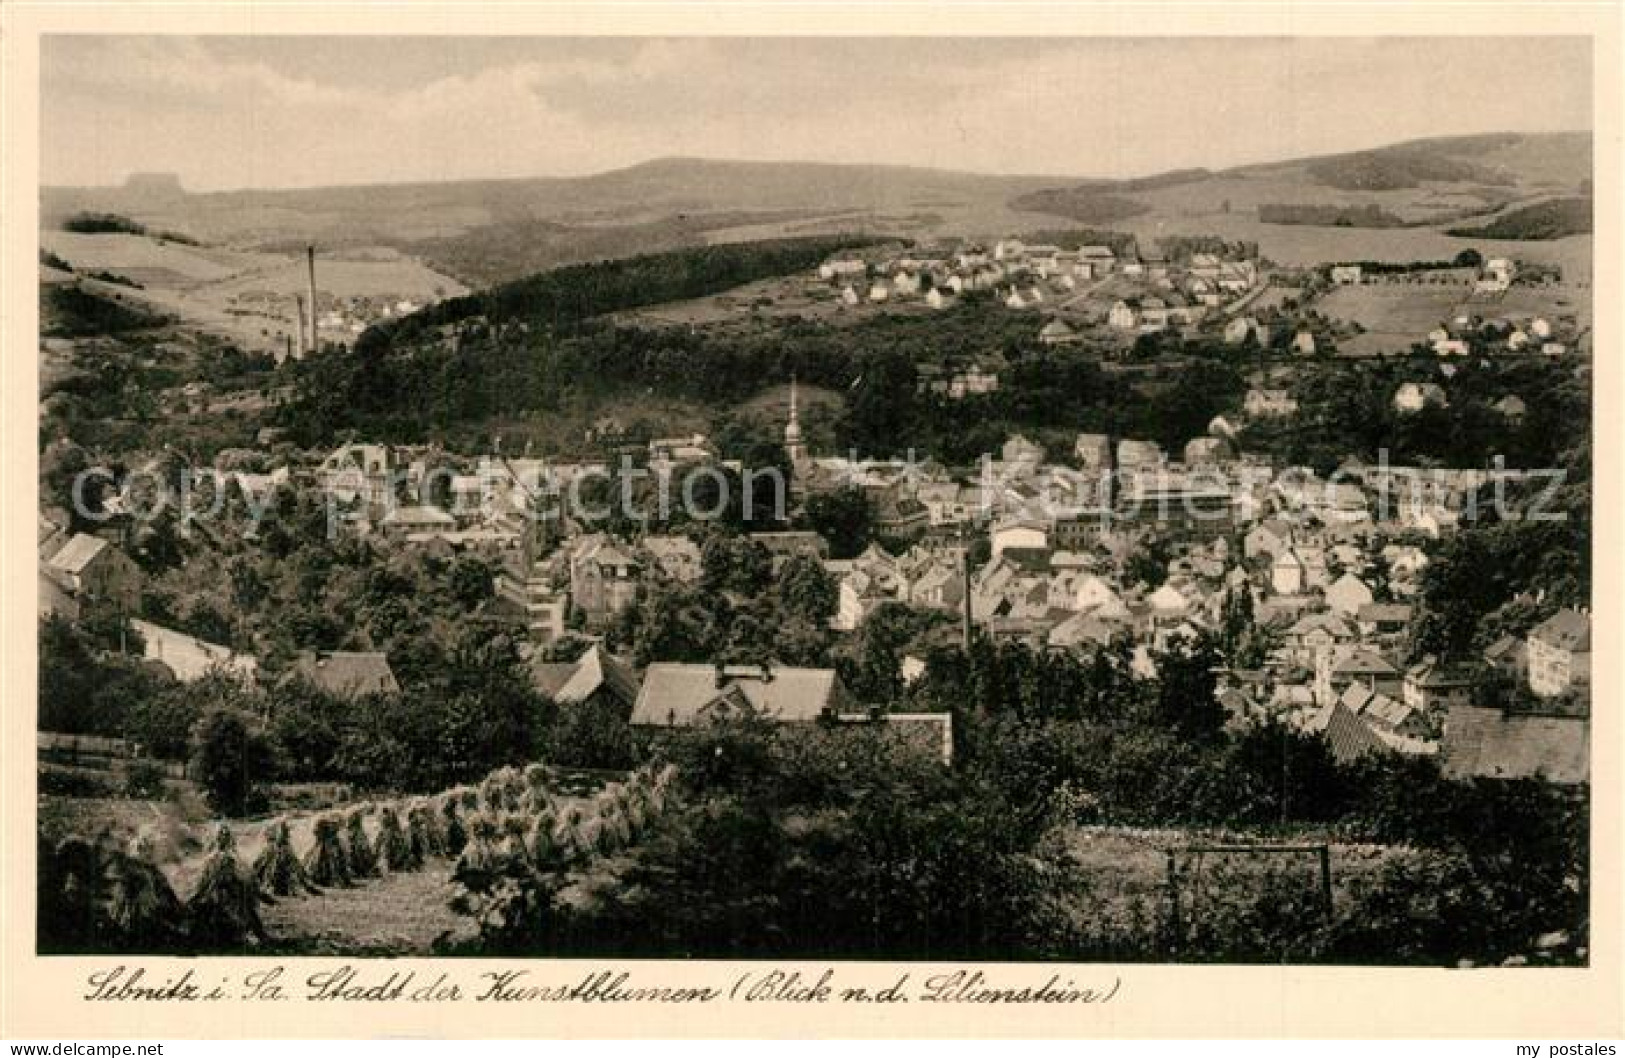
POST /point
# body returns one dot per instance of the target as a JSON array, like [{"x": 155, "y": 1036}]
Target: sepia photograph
[{"x": 1005, "y": 499}]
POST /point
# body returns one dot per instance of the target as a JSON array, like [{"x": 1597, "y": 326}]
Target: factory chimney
[
  {"x": 310, "y": 268},
  {"x": 300, "y": 330}
]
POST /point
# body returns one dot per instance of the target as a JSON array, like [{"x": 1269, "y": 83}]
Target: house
[
  {"x": 1018, "y": 450},
  {"x": 1124, "y": 315},
  {"x": 692, "y": 450},
  {"x": 677, "y": 695},
  {"x": 850, "y": 296},
  {"x": 938, "y": 298},
  {"x": 1094, "y": 451},
  {"x": 1346, "y": 274},
  {"x": 1368, "y": 669},
  {"x": 1347, "y": 594},
  {"x": 360, "y": 473},
  {"x": 900, "y": 516},
  {"x": 1083, "y": 630},
  {"x": 1487, "y": 743},
  {"x": 1384, "y": 713},
  {"x": 1023, "y": 299},
  {"x": 1154, "y": 314},
  {"x": 89, "y": 568},
  {"x": 1132, "y": 454},
  {"x": 189, "y": 657},
  {"x": 842, "y": 268},
  {"x": 1432, "y": 687},
  {"x": 1239, "y": 329},
  {"x": 603, "y": 577},
  {"x": 1377, "y": 619},
  {"x": 937, "y": 585},
  {"x": 1056, "y": 332},
  {"x": 401, "y": 521},
  {"x": 596, "y": 678},
  {"x": 1024, "y": 533},
  {"x": 879, "y": 292},
  {"x": 1507, "y": 655},
  {"x": 1558, "y": 654},
  {"x": 1009, "y": 249},
  {"x": 1511, "y": 408},
  {"x": 347, "y": 673},
  {"x": 1271, "y": 537},
  {"x": 1303, "y": 343},
  {"x": 1412, "y": 397},
  {"x": 1095, "y": 261},
  {"x": 1287, "y": 573},
  {"x": 1313, "y": 638}
]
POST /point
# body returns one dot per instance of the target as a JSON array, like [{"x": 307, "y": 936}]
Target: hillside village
[{"x": 1324, "y": 571}]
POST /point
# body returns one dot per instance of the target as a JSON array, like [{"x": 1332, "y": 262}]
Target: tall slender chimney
[
  {"x": 310, "y": 269},
  {"x": 301, "y": 329}
]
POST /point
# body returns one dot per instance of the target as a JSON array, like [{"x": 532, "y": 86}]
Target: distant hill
[
  {"x": 1553, "y": 219},
  {"x": 1485, "y": 172},
  {"x": 523, "y": 226},
  {"x": 489, "y": 231}
]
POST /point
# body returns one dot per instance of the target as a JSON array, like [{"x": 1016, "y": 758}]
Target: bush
[{"x": 144, "y": 780}]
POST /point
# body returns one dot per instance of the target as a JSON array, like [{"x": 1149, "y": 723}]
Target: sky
[{"x": 268, "y": 112}]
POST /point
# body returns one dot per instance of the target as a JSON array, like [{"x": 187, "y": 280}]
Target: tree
[
  {"x": 231, "y": 756},
  {"x": 806, "y": 590},
  {"x": 472, "y": 581},
  {"x": 1186, "y": 682},
  {"x": 844, "y": 517}
]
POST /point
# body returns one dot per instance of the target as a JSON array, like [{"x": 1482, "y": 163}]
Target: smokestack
[
  {"x": 310, "y": 268},
  {"x": 301, "y": 329}
]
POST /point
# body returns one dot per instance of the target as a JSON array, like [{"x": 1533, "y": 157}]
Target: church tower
[{"x": 792, "y": 431}]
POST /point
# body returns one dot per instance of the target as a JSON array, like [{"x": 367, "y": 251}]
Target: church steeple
[{"x": 792, "y": 430}]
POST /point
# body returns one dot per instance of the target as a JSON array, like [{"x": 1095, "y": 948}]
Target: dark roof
[
  {"x": 1565, "y": 630},
  {"x": 347, "y": 672},
  {"x": 1487, "y": 743},
  {"x": 1366, "y": 661},
  {"x": 549, "y": 677},
  {"x": 579, "y": 680},
  {"x": 1350, "y": 737},
  {"x": 1430, "y": 673},
  {"x": 1506, "y": 649}
]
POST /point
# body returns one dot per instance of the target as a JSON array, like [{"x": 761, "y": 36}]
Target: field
[
  {"x": 1394, "y": 315},
  {"x": 396, "y": 914},
  {"x": 245, "y": 296}
]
